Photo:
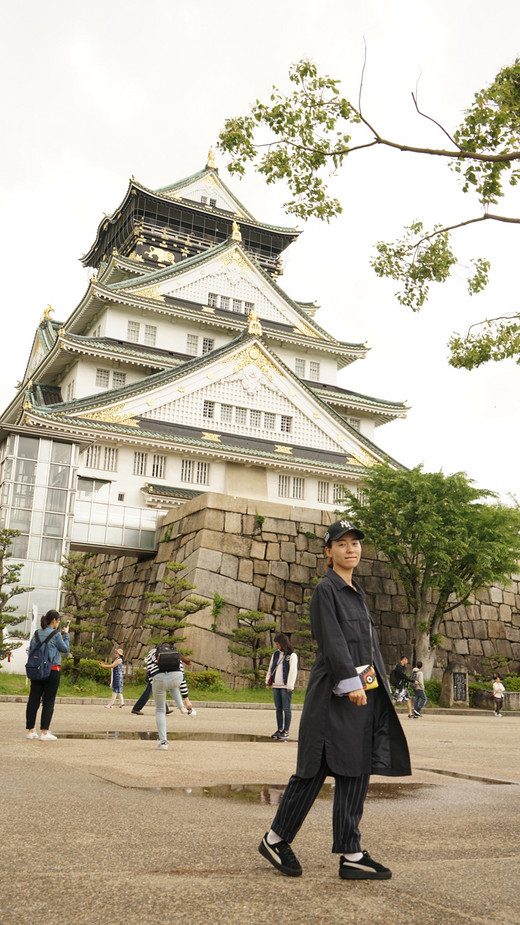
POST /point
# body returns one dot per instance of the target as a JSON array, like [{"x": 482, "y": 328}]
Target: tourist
[
  {"x": 116, "y": 679},
  {"x": 44, "y": 691},
  {"x": 164, "y": 679},
  {"x": 183, "y": 701},
  {"x": 346, "y": 731},
  {"x": 419, "y": 692},
  {"x": 498, "y": 694},
  {"x": 281, "y": 678},
  {"x": 401, "y": 685}
]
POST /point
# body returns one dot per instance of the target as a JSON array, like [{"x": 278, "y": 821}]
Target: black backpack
[
  {"x": 167, "y": 657},
  {"x": 393, "y": 677},
  {"x": 38, "y": 666}
]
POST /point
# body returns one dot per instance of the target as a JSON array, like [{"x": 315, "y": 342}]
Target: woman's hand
[{"x": 358, "y": 697}]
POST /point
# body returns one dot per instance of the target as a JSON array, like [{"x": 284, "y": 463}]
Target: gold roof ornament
[
  {"x": 254, "y": 326},
  {"x": 47, "y": 313},
  {"x": 211, "y": 160},
  {"x": 236, "y": 234}
]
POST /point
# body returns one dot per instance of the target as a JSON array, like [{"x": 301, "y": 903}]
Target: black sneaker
[
  {"x": 417, "y": 715},
  {"x": 281, "y": 856},
  {"x": 365, "y": 869},
  {"x": 283, "y": 736},
  {"x": 276, "y": 735},
  {"x": 136, "y": 712}
]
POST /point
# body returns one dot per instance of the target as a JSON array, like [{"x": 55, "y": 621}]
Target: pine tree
[
  {"x": 169, "y": 618},
  {"x": 251, "y": 642},
  {"x": 9, "y": 588},
  {"x": 85, "y": 594}
]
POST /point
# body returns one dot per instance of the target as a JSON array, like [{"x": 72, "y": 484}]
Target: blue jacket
[{"x": 58, "y": 644}]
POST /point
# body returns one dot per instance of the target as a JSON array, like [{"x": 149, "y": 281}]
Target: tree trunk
[{"x": 424, "y": 652}]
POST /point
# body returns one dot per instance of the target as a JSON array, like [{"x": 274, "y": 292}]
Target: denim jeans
[
  {"x": 161, "y": 683},
  {"x": 419, "y": 700},
  {"x": 282, "y": 701}
]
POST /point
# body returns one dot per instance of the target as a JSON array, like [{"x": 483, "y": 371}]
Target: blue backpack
[{"x": 38, "y": 665}]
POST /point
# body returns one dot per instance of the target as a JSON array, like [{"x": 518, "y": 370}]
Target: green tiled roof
[{"x": 169, "y": 491}]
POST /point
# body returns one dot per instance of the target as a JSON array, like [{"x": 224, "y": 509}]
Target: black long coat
[{"x": 357, "y": 740}]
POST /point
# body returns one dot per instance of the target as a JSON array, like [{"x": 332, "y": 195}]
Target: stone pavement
[{"x": 107, "y": 829}]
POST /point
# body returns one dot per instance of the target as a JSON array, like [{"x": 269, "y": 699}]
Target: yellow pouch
[{"x": 367, "y": 676}]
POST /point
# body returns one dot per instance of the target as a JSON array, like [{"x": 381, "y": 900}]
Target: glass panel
[
  {"x": 59, "y": 476},
  {"x": 61, "y": 453},
  {"x": 132, "y": 517},
  {"x": 116, "y": 515},
  {"x": 39, "y": 498},
  {"x": 26, "y": 573},
  {"x": 46, "y": 599},
  {"x": 80, "y": 532},
  {"x": 114, "y": 535},
  {"x": 45, "y": 575},
  {"x": 18, "y": 549},
  {"x": 3, "y": 516},
  {"x": 45, "y": 450},
  {"x": 5, "y": 494},
  {"x": 43, "y": 474},
  {"x": 85, "y": 488},
  {"x": 97, "y": 534},
  {"x": 21, "y": 602},
  {"x": 54, "y": 525},
  {"x": 28, "y": 447},
  {"x": 25, "y": 471},
  {"x": 20, "y": 519},
  {"x": 147, "y": 539},
  {"x": 102, "y": 490},
  {"x": 148, "y": 520},
  {"x": 99, "y": 513},
  {"x": 33, "y": 551},
  {"x": 51, "y": 550},
  {"x": 23, "y": 495},
  {"x": 82, "y": 510},
  {"x": 131, "y": 537},
  {"x": 37, "y": 521},
  {"x": 8, "y": 468},
  {"x": 56, "y": 500}
]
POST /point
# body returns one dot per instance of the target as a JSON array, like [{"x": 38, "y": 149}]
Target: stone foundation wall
[{"x": 263, "y": 556}]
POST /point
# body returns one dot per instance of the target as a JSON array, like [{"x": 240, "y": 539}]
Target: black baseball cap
[{"x": 337, "y": 530}]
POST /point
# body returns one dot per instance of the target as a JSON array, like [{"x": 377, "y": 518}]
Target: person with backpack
[
  {"x": 281, "y": 678},
  {"x": 185, "y": 706},
  {"x": 43, "y": 668},
  {"x": 164, "y": 668},
  {"x": 400, "y": 680},
  {"x": 417, "y": 677}
]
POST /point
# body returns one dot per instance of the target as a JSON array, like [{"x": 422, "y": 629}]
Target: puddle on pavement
[
  {"x": 271, "y": 794},
  {"x": 197, "y": 736}
]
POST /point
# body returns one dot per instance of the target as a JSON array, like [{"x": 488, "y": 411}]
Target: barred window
[
  {"x": 207, "y": 344},
  {"x": 208, "y": 409},
  {"x": 284, "y": 486},
  {"x": 150, "y": 335},
  {"x": 118, "y": 380},
  {"x": 224, "y": 302},
  {"x": 213, "y": 299},
  {"x": 92, "y": 459},
  {"x": 255, "y": 418},
  {"x": 158, "y": 467},
  {"x": 314, "y": 371},
  {"x": 110, "y": 459},
  {"x": 240, "y": 415},
  {"x": 248, "y": 307},
  {"x": 71, "y": 388},
  {"x": 213, "y": 202},
  {"x": 103, "y": 378},
  {"x": 355, "y": 423},
  {"x": 338, "y": 491},
  {"x": 291, "y": 487},
  {"x": 286, "y": 424},
  {"x": 204, "y": 200},
  {"x": 192, "y": 345},
  {"x": 237, "y": 305},
  {"x": 140, "y": 463},
  {"x": 323, "y": 493},
  {"x": 186, "y": 470},
  {"x": 297, "y": 488},
  {"x": 202, "y": 473},
  {"x": 269, "y": 420},
  {"x": 133, "y": 332},
  {"x": 299, "y": 368},
  {"x": 226, "y": 413}
]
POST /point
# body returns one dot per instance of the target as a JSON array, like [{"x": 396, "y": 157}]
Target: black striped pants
[{"x": 349, "y": 800}]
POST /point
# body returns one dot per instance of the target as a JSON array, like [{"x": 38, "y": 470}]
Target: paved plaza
[{"x": 101, "y": 827}]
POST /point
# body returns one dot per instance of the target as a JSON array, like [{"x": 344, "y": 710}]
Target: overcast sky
[{"x": 95, "y": 93}]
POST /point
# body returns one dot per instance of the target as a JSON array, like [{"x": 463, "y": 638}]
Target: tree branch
[{"x": 438, "y": 124}]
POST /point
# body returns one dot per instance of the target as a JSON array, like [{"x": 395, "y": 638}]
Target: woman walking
[
  {"x": 281, "y": 677},
  {"x": 116, "y": 679},
  {"x": 44, "y": 691}
]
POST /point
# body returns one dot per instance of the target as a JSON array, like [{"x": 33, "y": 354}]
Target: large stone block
[
  {"x": 496, "y": 630},
  {"x": 496, "y": 595},
  {"x": 294, "y": 593},
  {"x": 272, "y": 551},
  {"x": 288, "y": 551},
  {"x": 280, "y": 570},
  {"x": 232, "y": 522},
  {"x": 238, "y": 593},
  {"x": 299, "y": 574},
  {"x": 234, "y": 545},
  {"x": 229, "y": 566},
  {"x": 258, "y": 550},
  {"x": 245, "y": 570},
  {"x": 266, "y": 603},
  {"x": 209, "y": 559},
  {"x": 261, "y": 567}
]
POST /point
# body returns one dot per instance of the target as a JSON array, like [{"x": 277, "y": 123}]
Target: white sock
[
  {"x": 273, "y": 838},
  {"x": 354, "y": 856}
]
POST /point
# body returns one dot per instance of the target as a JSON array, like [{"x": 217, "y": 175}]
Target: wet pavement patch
[
  {"x": 172, "y": 736},
  {"x": 271, "y": 794}
]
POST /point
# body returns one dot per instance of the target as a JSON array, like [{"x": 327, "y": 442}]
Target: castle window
[
  {"x": 213, "y": 202},
  {"x": 192, "y": 345},
  {"x": 158, "y": 467},
  {"x": 297, "y": 488},
  {"x": 187, "y": 470},
  {"x": 208, "y": 409},
  {"x": 110, "y": 459},
  {"x": 224, "y": 302},
  {"x": 202, "y": 473},
  {"x": 299, "y": 368},
  {"x": 207, "y": 344},
  {"x": 213, "y": 299},
  {"x": 226, "y": 413},
  {"x": 338, "y": 492},
  {"x": 133, "y": 332},
  {"x": 237, "y": 305},
  {"x": 150, "y": 335},
  {"x": 248, "y": 306},
  {"x": 118, "y": 380},
  {"x": 92, "y": 458},
  {"x": 286, "y": 424},
  {"x": 204, "y": 200},
  {"x": 290, "y": 487},
  {"x": 103, "y": 378},
  {"x": 355, "y": 423},
  {"x": 71, "y": 388},
  {"x": 140, "y": 463},
  {"x": 197, "y": 472},
  {"x": 314, "y": 371},
  {"x": 255, "y": 418},
  {"x": 269, "y": 420},
  {"x": 240, "y": 415},
  {"x": 323, "y": 493}
]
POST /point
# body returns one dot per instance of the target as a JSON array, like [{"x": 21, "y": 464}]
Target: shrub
[
  {"x": 209, "y": 680},
  {"x": 433, "y": 690},
  {"x": 89, "y": 668}
]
